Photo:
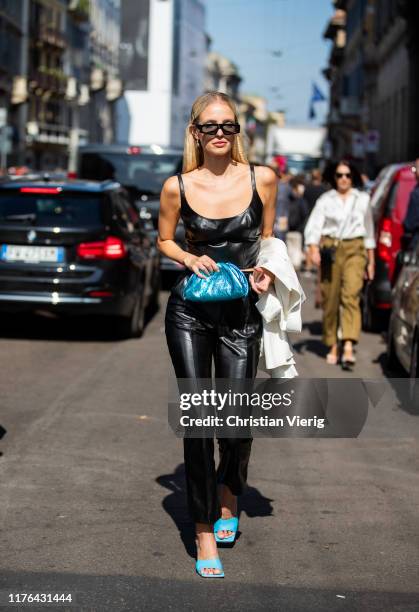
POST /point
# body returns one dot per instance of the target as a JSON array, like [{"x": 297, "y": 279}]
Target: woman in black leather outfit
[{"x": 227, "y": 207}]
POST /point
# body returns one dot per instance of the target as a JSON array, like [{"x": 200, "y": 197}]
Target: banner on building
[
  {"x": 372, "y": 141},
  {"x": 358, "y": 145},
  {"x": 135, "y": 22}
]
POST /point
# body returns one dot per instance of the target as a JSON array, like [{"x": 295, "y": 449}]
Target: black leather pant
[{"x": 228, "y": 333}]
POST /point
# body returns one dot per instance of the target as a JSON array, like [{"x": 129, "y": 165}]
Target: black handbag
[{"x": 328, "y": 254}]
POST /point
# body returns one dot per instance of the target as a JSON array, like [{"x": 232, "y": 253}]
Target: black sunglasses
[
  {"x": 212, "y": 128},
  {"x": 342, "y": 174}
]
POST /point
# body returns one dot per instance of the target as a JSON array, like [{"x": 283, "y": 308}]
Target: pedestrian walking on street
[
  {"x": 297, "y": 216},
  {"x": 340, "y": 237},
  {"x": 282, "y": 207},
  {"x": 314, "y": 189},
  {"x": 227, "y": 208}
]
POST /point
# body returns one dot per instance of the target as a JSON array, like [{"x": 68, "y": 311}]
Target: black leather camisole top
[{"x": 233, "y": 239}]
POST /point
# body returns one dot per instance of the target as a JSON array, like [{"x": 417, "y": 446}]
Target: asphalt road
[{"x": 92, "y": 498}]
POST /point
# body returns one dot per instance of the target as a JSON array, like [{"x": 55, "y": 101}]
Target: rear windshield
[
  {"x": 144, "y": 172},
  {"x": 405, "y": 189},
  {"x": 398, "y": 199},
  {"x": 62, "y": 209}
]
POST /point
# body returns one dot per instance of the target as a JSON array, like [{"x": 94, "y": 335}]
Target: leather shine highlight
[{"x": 224, "y": 333}]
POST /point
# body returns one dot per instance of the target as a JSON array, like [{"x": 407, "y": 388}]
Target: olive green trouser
[{"x": 341, "y": 284}]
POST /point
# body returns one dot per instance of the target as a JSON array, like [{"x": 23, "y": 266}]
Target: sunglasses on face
[
  {"x": 212, "y": 128},
  {"x": 343, "y": 174}
]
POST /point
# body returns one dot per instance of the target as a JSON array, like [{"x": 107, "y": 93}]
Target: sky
[{"x": 248, "y": 31}]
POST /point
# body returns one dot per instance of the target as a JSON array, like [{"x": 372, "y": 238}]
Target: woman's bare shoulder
[
  {"x": 171, "y": 187},
  {"x": 265, "y": 176}
]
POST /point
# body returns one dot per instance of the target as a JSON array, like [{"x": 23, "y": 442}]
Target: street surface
[{"x": 92, "y": 498}]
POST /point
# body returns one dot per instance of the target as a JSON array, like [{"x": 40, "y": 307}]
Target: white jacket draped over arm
[{"x": 280, "y": 308}]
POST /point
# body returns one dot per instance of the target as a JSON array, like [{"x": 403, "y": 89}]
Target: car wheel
[
  {"x": 392, "y": 361},
  {"x": 133, "y": 326},
  {"x": 373, "y": 320},
  {"x": 153, "y": 305},
  {"x": 414, "y": 377},
  {"x": 367, "y": 322}
]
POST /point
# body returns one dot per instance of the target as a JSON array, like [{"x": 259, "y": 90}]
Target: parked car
[
  {"x": 381, "y": 184},
  {"x": 389, "y": 211},
  {"x": 142, "y": 170},
  {"x": 403, "y": 332},
  {"x": 76, "y": 247}
]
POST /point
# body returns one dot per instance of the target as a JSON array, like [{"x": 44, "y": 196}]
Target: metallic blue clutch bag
[{"x": 229, "y": 283}]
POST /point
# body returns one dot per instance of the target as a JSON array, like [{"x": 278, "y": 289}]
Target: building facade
[
  {"x": 373, "y": 79},
  {"x": 163, "y": 48},
  {"x": 12, "y": 28},
  {"x": 222, "y": 75},
  {"x": 48, "y": 121},
  {"x": 104, "y": 82},
  {"x": 409, "y": 10},
  {"x": 59, "y": 77}
]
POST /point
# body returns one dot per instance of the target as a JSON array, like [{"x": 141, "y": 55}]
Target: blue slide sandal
[
  {"x": 201, "y": 564},
  {"x": 231, "y": 524}
]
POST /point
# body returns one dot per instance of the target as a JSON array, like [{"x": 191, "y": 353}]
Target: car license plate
[{"x": 31, "y": 254}]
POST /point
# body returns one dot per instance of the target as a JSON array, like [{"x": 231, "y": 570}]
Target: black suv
[
  {"x": 76, "y": 247},
  {"x": 142, "y": 170}
]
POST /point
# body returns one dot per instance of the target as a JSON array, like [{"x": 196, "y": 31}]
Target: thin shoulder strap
[
  {"x": 183, "y": 201},
  {"x": 252, "y": 174},
  {"x": 181, "y": 185}
]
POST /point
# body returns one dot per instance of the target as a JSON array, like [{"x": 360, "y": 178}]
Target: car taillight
[
  {"x": 134, "y": 150},
  {"x": 49, "y": 190},
  {"x": 111, "y": 248},
  {"x": 385, "y": 240},
  {"x": 101, "y": 293}
]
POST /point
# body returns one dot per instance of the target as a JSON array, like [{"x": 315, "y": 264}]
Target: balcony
[
  {"x": 334, "y": 117},
  {"x": 97, "y": 79},
  {"x": 79, "y": 10},
  {"x": 46, "y": 79},
  {"x": 47, "y": 133},
  {"x": 337, "y": 22},
  {"x": 371, "y": 59},
  {"x": 50, "y": 35},
  {"x": 5, "y": 84},
  {"x": 350, "y": 107},
  {"x": 337, "y": 55},
  {"x": 113, "y": 89}
]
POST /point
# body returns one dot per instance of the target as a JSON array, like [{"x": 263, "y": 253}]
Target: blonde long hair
[{"x": 193, "y": 155}]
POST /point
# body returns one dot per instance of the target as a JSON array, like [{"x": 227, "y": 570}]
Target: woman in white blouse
[{"x": 339, "y": 235}]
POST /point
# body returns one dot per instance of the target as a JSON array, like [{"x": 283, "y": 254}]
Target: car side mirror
[
  {"x": 405, "y": 240},
  {"x": 407, "y": 258}
]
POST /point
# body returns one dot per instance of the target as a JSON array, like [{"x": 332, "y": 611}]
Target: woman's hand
[
  {"x": 371, "y": 264},
  {"x": 199, "y": 265},
  {"x": 370, "y": 270},
  {"x": 261, "y": 279},
  {"x": 314, "y": 252}
]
